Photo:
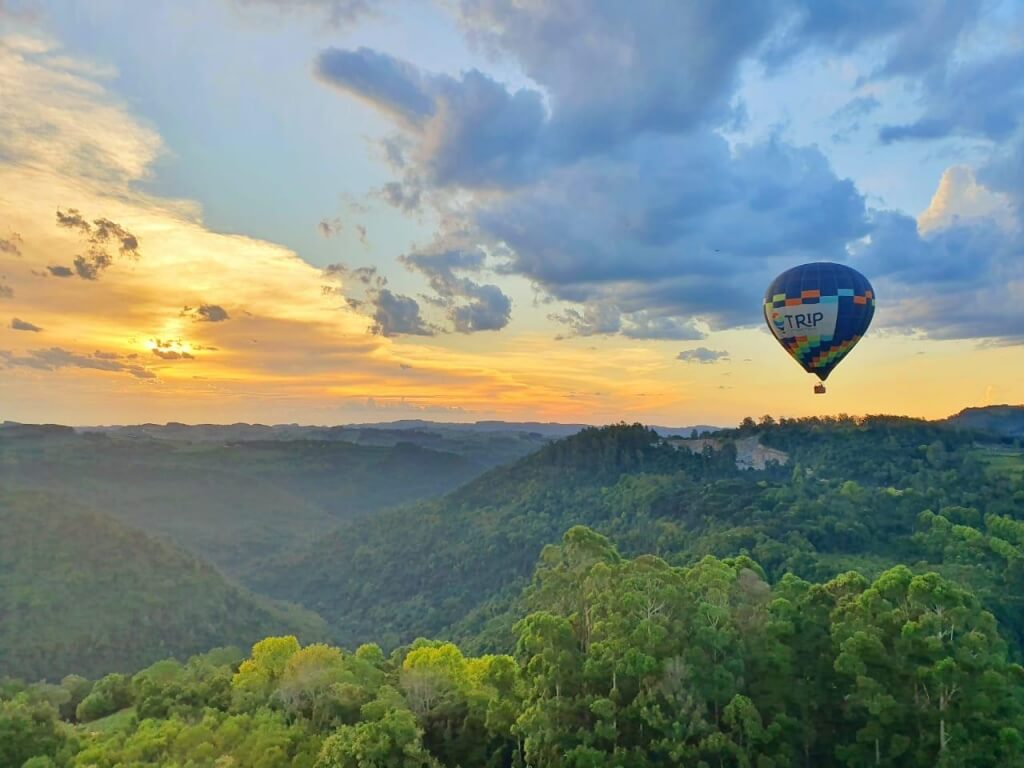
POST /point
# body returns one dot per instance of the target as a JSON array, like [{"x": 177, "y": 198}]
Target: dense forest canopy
[
  {"x": 855, "y": 602},
  {"x": 235, "y": 502},
  {"x": 81, "y": 592},
  {"x": 853, "y": 494},
  {"x": 619, "y": 662}
]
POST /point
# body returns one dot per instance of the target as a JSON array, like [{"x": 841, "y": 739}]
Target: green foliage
[
  {"x": 80, "y": 592},
  {"x": 850, "y": 496},
  {"x": 618, "y": 662},
  {"x": 235, "y": 503},
  {"x": 28, "y": 728},
  {"x": 109, "y": 695}
]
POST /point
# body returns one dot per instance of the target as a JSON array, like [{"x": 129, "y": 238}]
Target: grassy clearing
[
  {"x": 1005, "y": 462},
  {"x": 118, "y": 721}
]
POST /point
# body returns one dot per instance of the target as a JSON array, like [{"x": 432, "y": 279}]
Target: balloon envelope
[{"x": 819, "y": 312}]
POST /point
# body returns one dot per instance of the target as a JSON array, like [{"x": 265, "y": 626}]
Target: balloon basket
[{"x": 819, "y": 389}]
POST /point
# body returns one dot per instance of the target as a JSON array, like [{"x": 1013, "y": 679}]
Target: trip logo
[{"x": 799, "y": 321}]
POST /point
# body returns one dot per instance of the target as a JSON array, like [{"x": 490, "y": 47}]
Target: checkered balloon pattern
[{"x": 818, "y": 312}]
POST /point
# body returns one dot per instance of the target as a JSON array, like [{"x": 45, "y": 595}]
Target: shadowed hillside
[{"x": 80, "y": 592}]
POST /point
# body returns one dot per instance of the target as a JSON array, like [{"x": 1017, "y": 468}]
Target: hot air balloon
[{"x": 819, "y": 312}]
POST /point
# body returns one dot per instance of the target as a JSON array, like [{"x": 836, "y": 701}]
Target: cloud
[
  {"x": 982, "y": 98},
  {"x": 405, "y": 197},
  {"x": 1004, "y": 173},
  {"x": 330, "y": 227},
  {"x": 89, "y": 267},
  {"x": 396, "y": 315},
  {"x": 856, "y": 107},
  {"x": 642, "y": 325},
  {"x": 702, "y": 355},
  {"x": 101, "y": 233},
  {"x": 6, "y": 292},
  {"x": 471, "y": 131},
  {"x": 11, "y": 244},
  {"x": 849, "y": 115},
  {"x": 170, "y": 354},
  {"x": 367, "y": 276},
  {"x": 206, "y": 313},
  {"x": 596, "y": 318},
  {"x": 73, "y": 220},
  {"x": 961, "y": 199},
  {"x": 391, "y": 84},
  {"x": 679, "y": 228},
  {"x": 23, "y": 325},
  {"x": 608, "y": 188},
  {"x": 337, "y": 12},
  {"x": 961, "y": 279},
  {"x": 915, "y": 36},
  {"x": 487, "y": 308},
  {"x": 55, "y": 358},
  {"x": 616, "y": 70}
]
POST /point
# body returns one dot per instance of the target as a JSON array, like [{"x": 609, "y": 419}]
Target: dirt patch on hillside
[{"x": 750, "y": 454}]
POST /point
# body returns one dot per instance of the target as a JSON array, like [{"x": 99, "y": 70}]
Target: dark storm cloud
[
  {"x": 55, "y": 358},
  {"x": 702, "y": 355},
  {"x": 24, "y": 325}
]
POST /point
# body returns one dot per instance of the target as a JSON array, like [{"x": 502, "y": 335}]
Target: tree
[
  {"x": 258, "y": 675},
  {"x": 28, "y": 728},
  {"x": 109, "y": 695},
  {"x": 391, "y": 741}
]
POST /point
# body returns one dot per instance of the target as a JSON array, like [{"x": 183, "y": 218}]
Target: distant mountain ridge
[
  {"x": 241, "y": 431},
  {"x": 1007, "y": 420}
]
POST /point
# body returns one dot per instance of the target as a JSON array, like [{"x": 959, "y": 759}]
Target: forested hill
[
  {"x": 80, "y": 592},
  {"x": 867, "y": 494},
  {"x": 999, "y": 419},
  {"x": 231, "y": 503},
  {"x": 619, "y": 662}
]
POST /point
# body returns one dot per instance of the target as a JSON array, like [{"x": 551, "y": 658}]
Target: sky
[{"x": 337, "y": 211}]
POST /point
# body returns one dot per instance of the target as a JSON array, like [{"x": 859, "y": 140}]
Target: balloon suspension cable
[{"x": 819, "y": 389}]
